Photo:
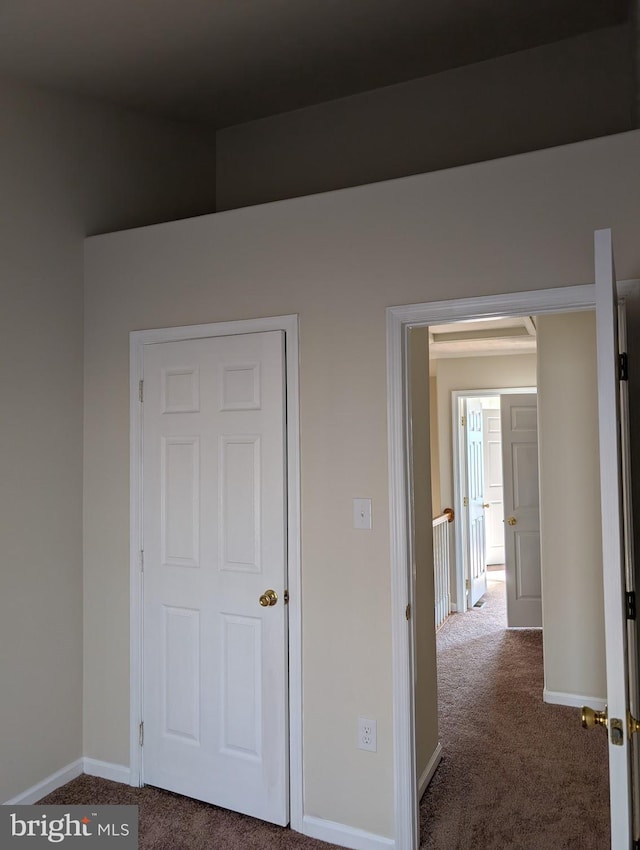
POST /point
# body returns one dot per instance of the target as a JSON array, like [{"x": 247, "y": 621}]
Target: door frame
[
  {"x": 137, "y": 341},
  {"x": 399, "y": 320},
  {"x": 459, "y": 475}
]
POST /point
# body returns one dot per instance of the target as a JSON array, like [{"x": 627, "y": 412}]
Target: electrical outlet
[{"x": 367, "y": 734}]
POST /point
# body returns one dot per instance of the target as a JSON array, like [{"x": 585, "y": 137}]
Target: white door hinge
[
  {"x": 141, "y": 734},
  {"x": 141, "y": 390},
  {"x": 142, "y": 560}
]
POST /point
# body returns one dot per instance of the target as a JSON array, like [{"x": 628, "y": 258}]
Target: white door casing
[
  {"x": 493, "y": 495},
  {"x": 287, "y": 327},
  {"x": 613, "y": 567},
  {"x": 458, "y": 444},
  {"x": 475, "y": 510},
  {"x": 519, "y": 416},
  {"x": 399, "y": 320}
]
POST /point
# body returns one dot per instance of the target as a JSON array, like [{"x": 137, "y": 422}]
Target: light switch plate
[{"x": 362, "y": 514}]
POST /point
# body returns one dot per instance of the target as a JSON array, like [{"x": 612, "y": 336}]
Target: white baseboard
[
  {"x": 46, "y": 786},
  {"x": 430, "y": 769},
  {"x": 92, "y": 767},
  {"x": 346, "y": 836},
  {"x": 107, "y": 770},
  {"x": 573, "y": 700},
  {"x": 325, "y": 830}
]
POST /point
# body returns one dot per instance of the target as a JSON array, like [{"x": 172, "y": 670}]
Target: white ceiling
[
  {"x": 229, "y": 61},
  {"x": 482, "y": 338}
]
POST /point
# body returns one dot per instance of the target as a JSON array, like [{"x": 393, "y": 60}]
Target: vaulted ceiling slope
[{"x": 230, "y": 61}]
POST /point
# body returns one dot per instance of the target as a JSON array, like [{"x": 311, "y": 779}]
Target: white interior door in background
[
  {"x": 622, "y": 678},
  {"x": 214, "y": 537},
  {"x": 475, "y": 507},
  {"x": 493, "y": 495},
  {"x": 519, "y": 415}
]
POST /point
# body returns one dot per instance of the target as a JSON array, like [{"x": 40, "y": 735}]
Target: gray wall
[
  {"x": 570, "y": 517},
  {"x": 338, "y": 260},
  {"x": 68, "y": 167},
  {"x": 575, "y": 89}
]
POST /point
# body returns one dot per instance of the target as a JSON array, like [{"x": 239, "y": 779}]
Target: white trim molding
[
  {"x": 404, "y": 772},
  {"x": 399, "y": 320},
  {"x": 48, "y": 785},
  {"x": 430, "y": 769},
  {"x": 107, "y": 770},
  {"x": 573, "y": 700},
  {"x": 138, "y": 339},
  {"x": 345, "y": 836}
]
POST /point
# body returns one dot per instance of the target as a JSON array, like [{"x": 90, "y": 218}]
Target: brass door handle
[
  {"x": 592, "y": 718},
  {"x": 486, "y": 505},
  {"x": 512, "y": 520},
  {"x": 268, "y": 598}
]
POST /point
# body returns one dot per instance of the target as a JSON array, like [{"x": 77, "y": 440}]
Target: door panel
[
  {"x": 477, "y": 565},
  {"x": 181, "y": 672},
  {"x": 521, "y": 509},
  {"x": 493, "y": 494},
  {"x": 214, "y": 659}
]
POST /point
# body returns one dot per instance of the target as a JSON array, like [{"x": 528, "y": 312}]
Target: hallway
[{"x": 515, "y": 773}]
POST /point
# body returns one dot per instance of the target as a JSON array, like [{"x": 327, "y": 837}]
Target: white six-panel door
[
  {"x": 521, "y": 509},
  {"x": 215, "y": 704}
]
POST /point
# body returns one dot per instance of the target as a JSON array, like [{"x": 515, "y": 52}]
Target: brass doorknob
[
  {"x": 512, "y": 520},
  {"x": 486, "y": 505},
  {"x": 592, "y": 718},
  {"x": 269, "y": 598}
]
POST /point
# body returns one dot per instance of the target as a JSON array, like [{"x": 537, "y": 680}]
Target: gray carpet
[{"x": 515, "y": 773}]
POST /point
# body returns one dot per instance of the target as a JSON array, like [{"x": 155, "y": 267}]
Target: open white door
[
  {"x": 613, "y": 500},
  {"x": 519, "y": 413},
  {"x": 475, "y": 504}
]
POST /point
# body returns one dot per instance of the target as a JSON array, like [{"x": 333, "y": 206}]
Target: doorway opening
[
  {"x": 400, "y": 321},
  {"x": 496, "y": 496}
]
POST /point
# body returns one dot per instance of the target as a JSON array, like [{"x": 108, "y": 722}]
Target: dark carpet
[
  {"x": 516, "y": 773},
  {"x": 170, "y": 822}
]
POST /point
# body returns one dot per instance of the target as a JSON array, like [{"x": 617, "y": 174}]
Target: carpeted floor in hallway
[{"x": 516, "y": 773}]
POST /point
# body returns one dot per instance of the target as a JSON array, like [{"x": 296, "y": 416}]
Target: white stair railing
[{"x": 441, "y": 566}]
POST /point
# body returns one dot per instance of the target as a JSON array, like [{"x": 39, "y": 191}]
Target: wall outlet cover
[{"x": 367, "y": 734}]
